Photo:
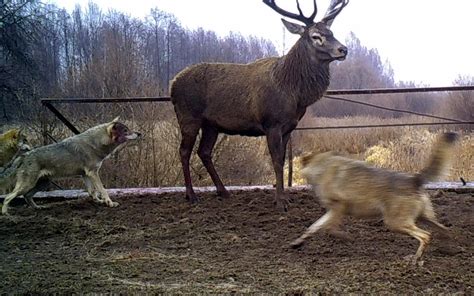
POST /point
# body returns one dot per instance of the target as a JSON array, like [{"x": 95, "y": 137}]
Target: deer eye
[{"x": 317, "y": 37}]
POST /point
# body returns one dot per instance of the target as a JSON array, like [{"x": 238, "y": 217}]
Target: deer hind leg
[
  {"x": 208, "y": 140},
  {"x": 189, "y": 133}
]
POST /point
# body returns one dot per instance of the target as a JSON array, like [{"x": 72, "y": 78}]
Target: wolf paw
[
  {"x": 413, "y": 260},
  {"x": 112, "y": 204},
  {"x": 296, "y": 244},
  {"x": 342, "y": 235}
]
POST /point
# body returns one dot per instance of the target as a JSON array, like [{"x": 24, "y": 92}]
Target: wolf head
[
  {"x": 16, "y": 139},
  {"x": 119, "y": 133},
  {"x": 315, "y": 164}
]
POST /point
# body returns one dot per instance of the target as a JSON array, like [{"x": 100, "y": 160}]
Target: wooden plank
[{"x": 457, "y": 187}]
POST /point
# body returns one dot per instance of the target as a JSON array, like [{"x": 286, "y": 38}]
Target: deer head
[{"x": 317, "y": 36}]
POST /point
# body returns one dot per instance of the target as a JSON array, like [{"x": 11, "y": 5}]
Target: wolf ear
[
  {"x": 116, "y": 119},
  {"x": 13, "y": 133}
]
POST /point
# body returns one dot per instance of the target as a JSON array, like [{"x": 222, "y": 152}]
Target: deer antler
[
  {"x": 333, "y": 11},
  {"x": 306, "y": 20}
]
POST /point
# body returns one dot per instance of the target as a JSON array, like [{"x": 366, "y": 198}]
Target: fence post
[{"x": 44, "y": 132}]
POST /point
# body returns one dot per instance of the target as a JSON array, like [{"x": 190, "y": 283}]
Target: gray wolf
[
  {"x": 12, "y": 143},
  {"x": 347, "y": 187},
  {"x": 79, "y": 155}
]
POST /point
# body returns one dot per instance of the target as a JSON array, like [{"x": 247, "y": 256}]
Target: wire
[
  {"x": 381, "y": 125},
  {"x": 391, "y": 109}
]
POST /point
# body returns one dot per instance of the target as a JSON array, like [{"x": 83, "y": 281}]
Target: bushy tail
[
  {"x": 8, "y": 174},
  {"x": 439, "y": 161},
  {"x": 306, "y": 159}
]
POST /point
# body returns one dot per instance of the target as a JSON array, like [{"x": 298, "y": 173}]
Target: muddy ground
[{"x": 162, "y": 244}]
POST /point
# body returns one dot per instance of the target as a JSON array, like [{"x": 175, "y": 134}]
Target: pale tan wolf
[
  {"x": 79, "y": 155},
  {"x": 350, "y": 187},
  {"x": 12, "y": 143}
]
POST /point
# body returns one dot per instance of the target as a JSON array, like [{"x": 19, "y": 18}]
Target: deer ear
[{"x": 293, "y": 28}]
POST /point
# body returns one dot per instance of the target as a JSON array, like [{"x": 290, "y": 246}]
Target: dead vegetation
[{"x": 154, "y": 161}]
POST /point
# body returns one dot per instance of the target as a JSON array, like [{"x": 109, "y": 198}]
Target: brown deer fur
[{"x": 267, "y": 97}]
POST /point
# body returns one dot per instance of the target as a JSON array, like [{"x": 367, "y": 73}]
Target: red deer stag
[{"x": 267, "y": 97}]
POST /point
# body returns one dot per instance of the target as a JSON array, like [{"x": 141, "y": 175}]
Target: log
[{"x": 457, "y": 187}]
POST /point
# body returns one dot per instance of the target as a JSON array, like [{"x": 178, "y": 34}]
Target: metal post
[{"x": 62, "y": 118}]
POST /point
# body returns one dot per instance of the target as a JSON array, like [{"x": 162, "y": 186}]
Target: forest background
[{"x": 46, "y": 51}]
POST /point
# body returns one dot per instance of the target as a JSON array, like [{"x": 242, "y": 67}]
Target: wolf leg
[
  {"x": 91, "y": 190},
  {"x": 25, "y": 182},
  {"x": 94, "y": 176},
  {"x": 328, "y": 220},
  {"x": 421, "y": 235},
  {"x": 19, "y": 190},
  {"x": 7, "y": 200},
  {"x": 40, "y": 185},
  {"x": 428, "y": 215}
]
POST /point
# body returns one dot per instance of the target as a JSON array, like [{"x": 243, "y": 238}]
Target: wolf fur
[
  {"x": 348, "y": 187},
  {"x": 12, "y": 143},
  {"x": 80, "y": 155}
]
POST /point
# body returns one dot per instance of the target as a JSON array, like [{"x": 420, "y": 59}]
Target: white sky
[{"x": 426, "y": 41}]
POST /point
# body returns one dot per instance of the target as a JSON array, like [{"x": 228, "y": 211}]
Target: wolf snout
[{"x": 134, "y": 136}]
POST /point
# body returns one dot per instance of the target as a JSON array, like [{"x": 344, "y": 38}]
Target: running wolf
[
  {"x": 347, "y": 187},
  {"x": 79, "y": 155}
]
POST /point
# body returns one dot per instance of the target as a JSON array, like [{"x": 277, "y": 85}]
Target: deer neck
[{"x": 300, "y": 75}]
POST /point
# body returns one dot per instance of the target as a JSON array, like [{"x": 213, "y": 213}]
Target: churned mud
[{"x": 162, "y": 244}]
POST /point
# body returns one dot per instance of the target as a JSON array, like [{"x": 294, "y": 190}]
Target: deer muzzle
[{"x": 343, "y": 53}]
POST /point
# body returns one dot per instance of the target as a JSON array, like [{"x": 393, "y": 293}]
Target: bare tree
[{"x": 267, "y": 97}]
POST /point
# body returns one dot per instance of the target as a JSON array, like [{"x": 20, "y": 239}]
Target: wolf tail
[
  {"x": 306, "y": 159},
  {"x": 439, "y": 161},
  {"x": 8, "y": 174}
]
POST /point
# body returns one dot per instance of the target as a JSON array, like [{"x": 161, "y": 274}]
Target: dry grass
[
  {"x": 154, "y": 161},
  {"x": 403, "y": 149}
]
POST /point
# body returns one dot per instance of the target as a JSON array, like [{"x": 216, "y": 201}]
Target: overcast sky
[{"x": 426, "y": 41}]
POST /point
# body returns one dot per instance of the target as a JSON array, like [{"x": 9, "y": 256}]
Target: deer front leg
[
  {"x": 97, "y": 183},
  {"x": 276, "y": 147}
]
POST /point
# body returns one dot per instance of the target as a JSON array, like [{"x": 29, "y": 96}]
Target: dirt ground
[{"x": 162, "y": 244}]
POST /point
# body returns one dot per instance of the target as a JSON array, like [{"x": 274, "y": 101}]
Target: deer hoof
[
  {"x": 282, "y": 203},
  {"x": 223, "y": 194},
  {"x": 193, "y": 199}
]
